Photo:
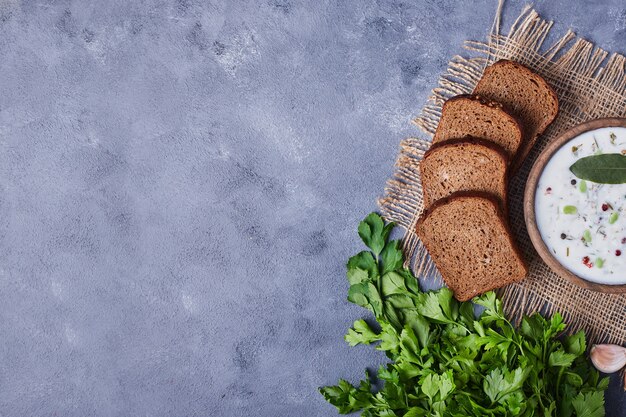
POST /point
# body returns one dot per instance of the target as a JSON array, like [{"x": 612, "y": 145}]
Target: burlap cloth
[{"x": 590, "y": 84}]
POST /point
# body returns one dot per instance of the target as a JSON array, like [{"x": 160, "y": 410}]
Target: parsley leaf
[
  {"x": 392, "y": 256},
  {"x": 560, "y": 358},
  {"x": 575, "y": 344},
  {"x": 374, "y": 233},
  {"x": 500, "y": 383},
  {"x": 362, "y": 333},
  {"x": 590, "y": 404},
  {"x": 362, "y": 262}
]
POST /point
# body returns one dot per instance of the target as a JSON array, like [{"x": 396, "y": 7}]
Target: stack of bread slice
[{"x": 480, "y": 139}]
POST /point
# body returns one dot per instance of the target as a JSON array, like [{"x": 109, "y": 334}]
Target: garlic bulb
[{"x": 608, "y": 358}]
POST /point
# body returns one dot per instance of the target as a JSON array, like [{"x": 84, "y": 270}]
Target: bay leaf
[{"x": 607, "y": 168}]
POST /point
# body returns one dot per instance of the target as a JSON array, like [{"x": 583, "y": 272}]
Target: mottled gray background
[{"x": 180, "y": 185}]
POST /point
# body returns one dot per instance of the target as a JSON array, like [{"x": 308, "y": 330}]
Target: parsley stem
[
  {"x": 379, "y": 283},
  {"x": 558, "y": 384}
]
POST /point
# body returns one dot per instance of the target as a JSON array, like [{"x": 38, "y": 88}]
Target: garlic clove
[{"x": 608, "y": 358}]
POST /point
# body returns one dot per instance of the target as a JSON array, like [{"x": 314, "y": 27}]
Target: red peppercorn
[
  {"x": 618, "y": 252},
  {"x": 605, "y": 207},
  {"x": 548, "y": 190},
  {"x": 587, "y": 263}
]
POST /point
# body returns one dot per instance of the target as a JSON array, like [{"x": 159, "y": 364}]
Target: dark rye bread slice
[
  {"x": 471, "y": 115},
  {"x": 469, "y": 241},
  {"x": 463, "y": 165},
  {"x": 524, "y": 93}
]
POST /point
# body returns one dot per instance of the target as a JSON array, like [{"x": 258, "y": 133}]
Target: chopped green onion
[
  {"x": 599, "y": 262},
  {"x": 583, "y": 186},
  {"x": 613, "y": 217},
  {"x": 570, "y": 210},
  {"x": 587, "y": 236}
]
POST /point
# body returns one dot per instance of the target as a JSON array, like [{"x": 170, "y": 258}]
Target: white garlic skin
[{"x": 608, "y": 358}]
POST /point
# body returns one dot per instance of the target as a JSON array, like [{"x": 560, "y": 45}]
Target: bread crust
[
  {"x": 494, "y": 201},
  {"x": 470, "y": 139},
  {"x": 474, "y": 141},
  {"x": 503, "y": 111},
  {"x": 540, "y": 79},
  {"x": 489, "y": 103},
  {"x": 530, "y": 137}
]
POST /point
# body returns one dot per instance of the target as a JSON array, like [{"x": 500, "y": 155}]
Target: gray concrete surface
[{"x": 180, "y": 185}]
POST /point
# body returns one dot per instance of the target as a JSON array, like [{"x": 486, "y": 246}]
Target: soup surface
[{"x": 583, "y": 223}]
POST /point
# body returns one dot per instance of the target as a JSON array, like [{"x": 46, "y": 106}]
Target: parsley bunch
[{"x": 447, "y": 362}]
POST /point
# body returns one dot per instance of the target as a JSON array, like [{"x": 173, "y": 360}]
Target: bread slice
[
  {"x": 526, "y": 94},
  {"x": 469, "y": 241},
  {"x": 463, "y": 165},
  {"x": 471, "y": 115}
]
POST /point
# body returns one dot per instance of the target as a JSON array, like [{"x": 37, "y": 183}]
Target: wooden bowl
[{"x": 529, "y": 204}]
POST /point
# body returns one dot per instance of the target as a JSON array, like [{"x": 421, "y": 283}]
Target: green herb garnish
[
  {"x": 444, "y": 361},
  {"x": 608, "y": 168},
  {"x": 583, "y": 186},
  {"x": 587, "y": 236},
  {"x": 613, "y": 217},
  {"x": 597, "y": 151},
  {"x": 570, "y": 210},
  {"x": 599, "y": 262}
]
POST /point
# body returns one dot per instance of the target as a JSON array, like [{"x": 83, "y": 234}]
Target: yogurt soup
[{"x": 583, "y": 223}]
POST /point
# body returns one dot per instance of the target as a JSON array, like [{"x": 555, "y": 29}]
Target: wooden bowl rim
[{"x": 529, "y": 204}]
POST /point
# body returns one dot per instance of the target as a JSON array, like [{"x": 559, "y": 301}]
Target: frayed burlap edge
[{"x": 589, "y": 84}]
